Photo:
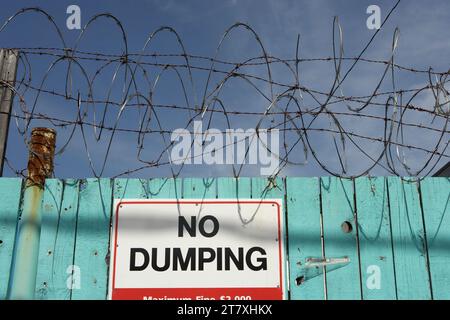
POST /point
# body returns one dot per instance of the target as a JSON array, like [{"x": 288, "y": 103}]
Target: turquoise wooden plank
[
  {"x": 234, "y": 188},
  {"x": 199, "y": 188},
  {"x": 57, "y": 243},
  {"x": 342, "y": 279},
  {"x": 164, "y": 188},
  {"x": 10, "y": 191},
  {"x": 435, "y": 194},
  {"x": 125, "y": 188},
  {"x": 92, "y": 238},
  {"x": 412, "y": 278},
  {"x": 375, "y": 242},
  {"x": 155, "y": 188},
  {"x": 265, "y": 188},
  {"x": 51, "y": 210},
  {"x": 305, "y": 238}
]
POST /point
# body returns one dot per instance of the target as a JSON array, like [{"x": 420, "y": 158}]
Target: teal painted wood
[
  {"x": 264, "y": 188},
  {"x": 92, "y": 205},
  {"x": 51, "y": 211},
  {"x": 10, "y": 191},
  {"x": 252, "y": 188},
  {"x": 57, "y": 243},
  {"x": 435, "y": 194},
  {"x": 342, "y": 280},
  {"x": 412, "y": 277},
  {"x": 199, "y": 188},
  {"x": 233, "y": 188},
  {"x": 156, "y": 188},
  {"x": 375, "y": 242},
  {"x": 92, "y": 238},
  {"x": 125, "y": 188},
  {"x": 164, "y": 188},
  {"x": 305, "y": 239}
]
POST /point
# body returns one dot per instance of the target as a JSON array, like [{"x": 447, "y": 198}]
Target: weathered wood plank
[
  {"x": 435, "y": 194},
  {"x": 409, "y": 246},
  {"x": 10, "y": 190},
  {"x": 51, "y": 211},
  {"x": 265, "y": 188},
  {"x": 164, "y": 188},
  {"x": 199, "y": 188},
  {"x": 342, "y": 280},
  {"x": 57, "y": 243},
  {"x": 125, "y": 188},
  {"x": 155, "y": 188},
  {"x": 305, "y": 239},
  {"x": 375, "y": 242},
  {"x": 233, "y": 188},
  {"x": 92, "y": 238}
]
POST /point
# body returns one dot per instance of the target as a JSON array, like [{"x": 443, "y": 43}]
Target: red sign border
[{"x": 204, "y": 201}]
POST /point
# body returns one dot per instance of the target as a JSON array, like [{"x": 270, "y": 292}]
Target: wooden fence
[{"x": 401, "y": 232}]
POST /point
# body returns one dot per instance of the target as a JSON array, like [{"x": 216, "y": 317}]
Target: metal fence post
[{"x": 22, "y": 281}]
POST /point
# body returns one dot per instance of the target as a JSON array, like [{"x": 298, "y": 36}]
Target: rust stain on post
[
  {"x": 41, "y": 154},
  {"x": 26, "y": 248}
]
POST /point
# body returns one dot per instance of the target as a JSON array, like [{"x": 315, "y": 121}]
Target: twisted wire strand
[{"x": 304, "y": 115}]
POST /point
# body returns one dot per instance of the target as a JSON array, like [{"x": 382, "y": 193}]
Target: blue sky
[{"x": 422, "y": 44}]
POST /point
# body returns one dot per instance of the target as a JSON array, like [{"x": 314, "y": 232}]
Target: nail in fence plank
[
  {"x": 342, "y": 279},
  {"x": 303, "y": 209},
  {"x": 375, "y": 242},
  {"x": 54, "y": 279},
  {"x": 412, "y": 277},
  {"x": 10, "y": 190},
  {"x": 92, "y": 239},
  {"x": 436, "y": 211}
]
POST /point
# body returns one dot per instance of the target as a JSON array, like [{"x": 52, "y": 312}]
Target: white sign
[{"x": 197, "y": 249}]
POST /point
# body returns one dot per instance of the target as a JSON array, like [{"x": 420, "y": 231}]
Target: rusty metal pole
[{"x": 22, "y": 281}]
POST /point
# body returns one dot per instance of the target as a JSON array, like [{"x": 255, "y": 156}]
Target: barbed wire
[{"x": 345, "y": 135}]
